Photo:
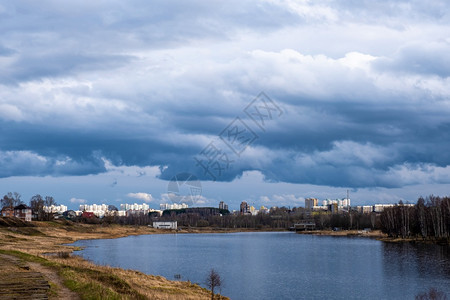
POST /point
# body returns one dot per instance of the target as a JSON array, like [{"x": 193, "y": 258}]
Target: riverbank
[
  {"x": 415, "y": 240},
  {"x": 376, "y": 234},
  {"x": 24, "y": 247}
]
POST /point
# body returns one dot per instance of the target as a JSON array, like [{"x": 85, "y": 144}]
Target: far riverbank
[{"x": 375, "y": 234}]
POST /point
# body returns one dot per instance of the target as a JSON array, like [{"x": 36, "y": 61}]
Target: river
[{"x": 283, "y": 265}]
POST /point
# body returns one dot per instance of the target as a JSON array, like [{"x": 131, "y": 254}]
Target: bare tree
[
  {"x": 49, "y": 201},
  {"x": 37, "y": 206},
  {"x": 373, "y": 219},
  {"x": 212, "y": 281},
  {"x": 429, "y": 219},
  {"x": 11, "y": 200},
  {"x": 422, "y": 217}
]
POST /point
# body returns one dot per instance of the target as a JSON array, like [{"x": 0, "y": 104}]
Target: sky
[{"x": 263, "y": 101}]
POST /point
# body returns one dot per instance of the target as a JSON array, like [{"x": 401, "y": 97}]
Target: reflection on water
[
  {"x": 284, "y": 265},
  {"x": 417, "y": 264}
]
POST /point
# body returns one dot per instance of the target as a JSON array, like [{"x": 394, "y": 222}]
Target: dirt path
[
  {"x": 63, "y": 292},
  {"x": 29, "y": 280}
]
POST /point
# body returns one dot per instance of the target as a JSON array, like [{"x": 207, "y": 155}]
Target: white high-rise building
[
  {"x": 165, "y": 206},
  {"x": 55, "y": 208},
  {"x": 100, "y": 210}
]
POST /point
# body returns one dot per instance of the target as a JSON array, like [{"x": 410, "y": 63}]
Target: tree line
[
  {"x": 37, "y": 203},
  {"x": 428, "y": 219},
  {"x": 277, "y": 218},
  {"x": 11, "y": 200}
]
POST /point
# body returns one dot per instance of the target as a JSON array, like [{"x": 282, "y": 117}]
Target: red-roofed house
[{"x": 87, "y": 214}]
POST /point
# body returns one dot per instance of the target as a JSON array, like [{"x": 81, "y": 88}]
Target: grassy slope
[{"x": 88, "y": 280}]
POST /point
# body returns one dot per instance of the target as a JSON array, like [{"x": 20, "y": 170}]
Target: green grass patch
[
  {"x": 24, "y": 256},
  {"x": 31, "y": 258},
  {"x": 111, "y": 281},
  {"x": 85, "y": 287},
  {"x": 53, "y": 291},
  {"x": 29, "y": 231}
]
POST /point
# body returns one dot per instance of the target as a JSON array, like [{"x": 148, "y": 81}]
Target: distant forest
[{"x": 428, "y": 219}]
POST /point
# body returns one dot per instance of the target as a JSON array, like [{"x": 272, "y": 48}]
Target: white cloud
[
  {"x": 414, "y": 174},
  {"x": 10, "y": 112},
  {"x": 114, "y": 83},
  {"x": 346, "y": 153},
  {"x": 22, "y": 163},
  {"x": 191, "y": 200},
  {"x": 264, "y": 199},
  {"x": 141, "y": 196},
  {"x": 136, "y": 171},
  {"x": 309, "y": 10},
  {"x": 77, "y": 201},
  {"x": 201, "y": 200}
]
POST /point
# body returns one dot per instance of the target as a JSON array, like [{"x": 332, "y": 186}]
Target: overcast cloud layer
[{"x": 364, "y": 88}]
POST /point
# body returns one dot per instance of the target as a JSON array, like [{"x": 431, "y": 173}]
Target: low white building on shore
[{"x": 165, "y": 225}]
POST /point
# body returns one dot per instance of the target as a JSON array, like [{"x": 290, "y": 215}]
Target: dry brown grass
[
  {"x": 150, "y": 286},
  {"x": 49, "y": 237}
]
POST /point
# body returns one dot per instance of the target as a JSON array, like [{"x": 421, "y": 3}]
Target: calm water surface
[{"x": 283, "y": 265}]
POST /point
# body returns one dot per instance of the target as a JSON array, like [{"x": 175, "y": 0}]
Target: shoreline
[
  {"x": 375, "y": 234},
  {"x": 53, "y": 236},
  {"x": 31, "y": 245},
  {"x": 34, "y": 242},
  {"x": 47, "y": 243},
  {"x": 44, "y": 244},
  {"x": 58, "y": 235}
]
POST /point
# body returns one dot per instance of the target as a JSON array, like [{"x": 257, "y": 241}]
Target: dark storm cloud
[
  {"x": 31, "y": 66},
  {"x": 152, "y": 84},
  {"x": 25, "y": 163}
]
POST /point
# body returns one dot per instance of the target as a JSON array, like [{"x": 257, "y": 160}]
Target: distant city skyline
[{"x": 267, "y": 102}]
